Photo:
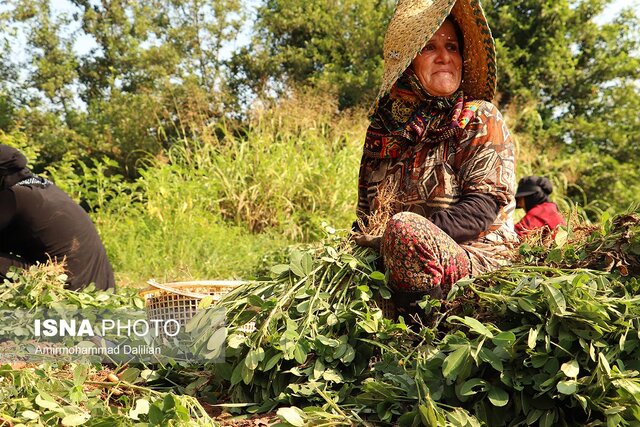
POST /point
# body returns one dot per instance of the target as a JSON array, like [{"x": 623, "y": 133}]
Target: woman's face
[{"x": 439, "y": 65}]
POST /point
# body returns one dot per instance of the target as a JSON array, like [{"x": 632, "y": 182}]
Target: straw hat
[{"x": 414, "y": 23}]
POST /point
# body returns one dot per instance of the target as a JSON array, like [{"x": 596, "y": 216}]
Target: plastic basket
[{"x": 179, "y": 300}]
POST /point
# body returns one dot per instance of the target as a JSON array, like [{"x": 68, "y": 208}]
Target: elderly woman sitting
[{"x": 437, "y": 141}]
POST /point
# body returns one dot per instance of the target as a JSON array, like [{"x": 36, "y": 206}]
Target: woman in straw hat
[{"x": 442, "y": 148}]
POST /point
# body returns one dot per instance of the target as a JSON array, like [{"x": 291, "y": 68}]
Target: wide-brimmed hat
[{"x": 416, "y": 21}]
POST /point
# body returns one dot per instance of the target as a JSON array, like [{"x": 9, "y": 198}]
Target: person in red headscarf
[{"x": 533, "y": 196}]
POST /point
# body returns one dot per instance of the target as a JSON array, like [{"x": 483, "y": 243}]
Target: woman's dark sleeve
[
  {"x": 465, "y": 220},
  {"x": 7, "y": 208}
]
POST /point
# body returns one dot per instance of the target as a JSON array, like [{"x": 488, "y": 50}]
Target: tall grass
[{"x": 212, "y": 206}]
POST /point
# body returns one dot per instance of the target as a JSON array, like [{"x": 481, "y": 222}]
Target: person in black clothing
[{"x": 38, "y": 221}]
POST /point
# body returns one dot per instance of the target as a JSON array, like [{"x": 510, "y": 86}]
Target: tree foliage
[
  {"x": 124, "y": 95},
  {"x": 334, "y": 46},
  {"x": 581, "y": 76}
]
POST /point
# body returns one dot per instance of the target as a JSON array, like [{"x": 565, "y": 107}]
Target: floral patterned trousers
[{"x": 421, "y": 259}]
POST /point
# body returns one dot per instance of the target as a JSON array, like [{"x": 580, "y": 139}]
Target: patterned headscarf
[
  {"x": 409, "y": 115},
  {"x": 13, "y": 167}
]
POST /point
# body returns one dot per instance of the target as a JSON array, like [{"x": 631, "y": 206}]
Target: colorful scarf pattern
[{"x": 409, "y": 115}]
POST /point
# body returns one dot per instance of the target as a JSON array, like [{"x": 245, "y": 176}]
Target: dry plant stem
[{"x": 385, "y": 205}]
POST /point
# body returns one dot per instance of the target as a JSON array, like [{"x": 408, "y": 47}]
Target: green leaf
[
  {"x": 504, "y": 339},
  {"x": 236, "y": 375},
  {"x": 75, "y": 419},
  {"x": 377, "y": 275},
  {"x": 303, "y": 307},
  {"x": 604, "y": 363},
  {"x": 300, "y": 353},
  {"x": 554, "y": 256},
  {"x": 280, "y": 269},
  {"x": 492, "y": 358},
  {"x": 498, "y": 397},
  {"x": 254, "y": 357},
  {"x": 272, "y": 361},
  {"x": 205, "y": 302},
  {"x": 473, "y": 324},
  {"x": 555, "y": 299},
  {"x": 169, "y": 402},
  {"x": 255, "y": 301},
  {"x": 567, "y": 387},
  {"x": 533, "y": 336},
  {"x": 318, "y": 369},
  {"x": 296, "y": 269},
  {"x": 349, "y": 355},
  {"x": 332, "y": 319},
  {"x": 307, "y": 264},
  {"x": 156, "y": 416},
  {"x": 329, "y": 342},
  {"x": 571, "y": 369},
  {"x": 428, "y": 415},
  {"x": 526, "y": 305},
  {"x": 236, "y": 340},
  {"x": 130, "y": 375},
  {"x": 30, "y": 415},
  {"x": 473, "y": 386},
  {"x": 217, "y": 340},
  {"x": 455, "y": 361},
  {"x": 80, "y": 374},
  {"x": 292, "y": 415},
  {"x": 46, "y": 402},
  {"x": 332, "y": 375},
  {"x": 548, "y": 418},
  {"x": 247, "y": 375},
  {"x": 561, "y": 237}
]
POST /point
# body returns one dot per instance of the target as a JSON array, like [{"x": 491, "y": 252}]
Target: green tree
[
  {"x": 574, "y": 86},
  {"x": 133, "y": 90},
  {"x": 331, "y": 45},
  {"x": 554, "y": 55}
]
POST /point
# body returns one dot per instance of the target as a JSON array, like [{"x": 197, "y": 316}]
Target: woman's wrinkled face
[{"x": 439, "y": 65}]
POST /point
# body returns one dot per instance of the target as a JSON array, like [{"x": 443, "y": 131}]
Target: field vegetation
[{"x": 200, "y": 164}]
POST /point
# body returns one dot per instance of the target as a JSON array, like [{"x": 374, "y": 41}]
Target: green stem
[{"x": 281, "y": 303}]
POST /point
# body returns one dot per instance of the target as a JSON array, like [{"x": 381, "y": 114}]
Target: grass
[{"x": 211, "y": 207}]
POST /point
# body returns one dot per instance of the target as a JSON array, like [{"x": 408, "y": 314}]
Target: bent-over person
[{"x": 38, "y": 222}]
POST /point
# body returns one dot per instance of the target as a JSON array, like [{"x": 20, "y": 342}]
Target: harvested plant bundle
[
  {"x": 612, "y": 245},
  {"x": 522, "y": 346}
]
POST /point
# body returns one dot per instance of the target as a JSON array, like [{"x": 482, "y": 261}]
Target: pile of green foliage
[
  {"x": 73, "y": 394},
  {"x": 521, "y": 346}
]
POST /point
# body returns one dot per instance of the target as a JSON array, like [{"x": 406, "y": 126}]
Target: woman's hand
[{"x": 367, "y": 240}]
